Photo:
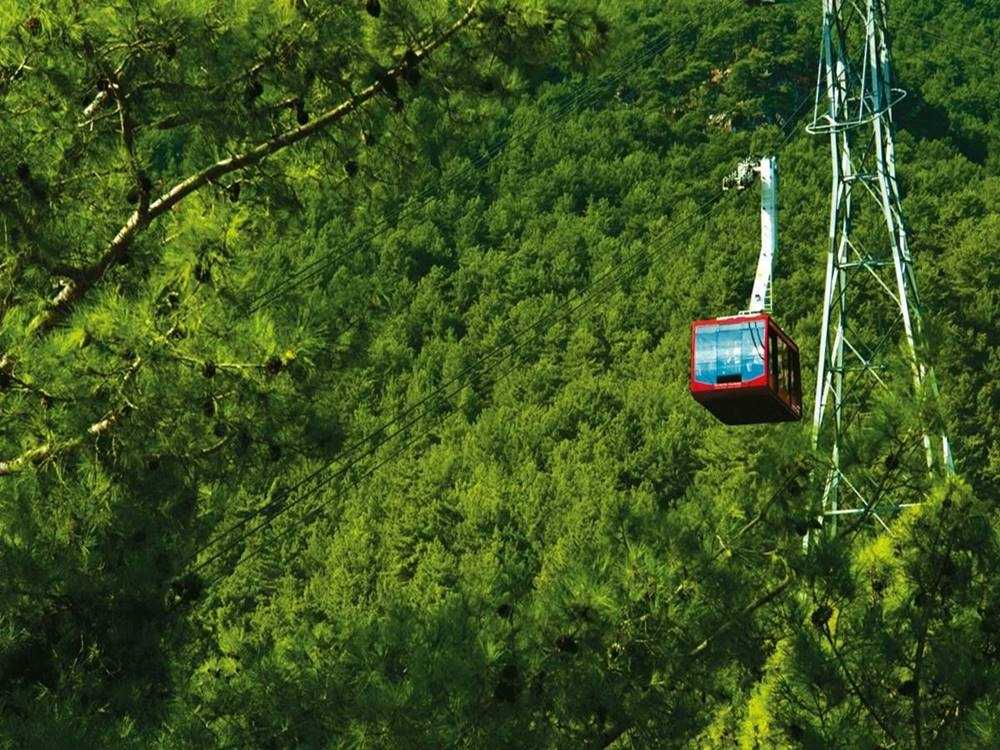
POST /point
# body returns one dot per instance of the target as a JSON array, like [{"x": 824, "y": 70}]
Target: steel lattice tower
[{"x": 871, "y": 310}]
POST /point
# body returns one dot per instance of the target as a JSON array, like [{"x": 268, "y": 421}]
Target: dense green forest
[{"x": 343, "y": 381}]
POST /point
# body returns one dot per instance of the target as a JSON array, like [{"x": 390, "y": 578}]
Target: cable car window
[
  {"x": 753, "y": 350},
  {"x": 729, "y": 365},
  {"x": 732, "y": 358},
  {"x": 704, "y": 354},
  {"x": 732, "y": 353},
  {"x": 789, "y": 370}
]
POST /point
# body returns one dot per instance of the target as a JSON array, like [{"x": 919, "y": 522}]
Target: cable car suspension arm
[{"x": 761, "y": 298}]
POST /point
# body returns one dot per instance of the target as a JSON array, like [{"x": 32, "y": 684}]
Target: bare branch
[{"x": 95, "y": 104}]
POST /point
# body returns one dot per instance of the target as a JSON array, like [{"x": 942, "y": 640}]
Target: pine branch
[
  {"x": 176, "y": 119},
  {"x": 921, "y": 645},
  {"x": 102, "y": 96},
  {"x": 612, "y": 736},
  {"x": 74, "y": 290},
  {"x": 49, "y": 451},
  {"x": 14, "y": 75},
  {"x": 128, "y": 143},
  {"x": 24, "y": 385},
  {"x": 855, "y": 687},
  {"x": 761, "y": 601}
]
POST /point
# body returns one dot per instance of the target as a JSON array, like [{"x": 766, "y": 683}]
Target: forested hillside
[{"x": 343, "y": 381}]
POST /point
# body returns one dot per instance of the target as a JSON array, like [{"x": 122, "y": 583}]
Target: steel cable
[
  {"x": 278, "y": 506},
  {"x": 313, "y": 268},
  {"x": 581, "y": 300}
]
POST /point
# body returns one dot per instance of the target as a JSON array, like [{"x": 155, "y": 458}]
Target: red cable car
[{"x": 745, "y": 370}]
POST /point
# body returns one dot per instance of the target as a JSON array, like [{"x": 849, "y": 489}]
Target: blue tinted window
[
  {"x": 704, "y": 354},
  {"x": 753, "y": 350},
  {"x": 729, "y": 362},
  {"x": 729, "y": 353}
]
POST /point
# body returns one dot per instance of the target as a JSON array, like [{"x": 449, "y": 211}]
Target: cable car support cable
[
  {"x": 451, "y": 387},
  {"x": 313, "y": 268},
  {"x": 280, "y": 505}
]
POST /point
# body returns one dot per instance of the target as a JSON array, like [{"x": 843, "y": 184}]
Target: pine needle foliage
[{"x": 343, "y": 358}]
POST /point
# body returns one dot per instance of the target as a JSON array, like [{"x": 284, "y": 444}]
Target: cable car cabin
[{"x": 745, "y": 370}]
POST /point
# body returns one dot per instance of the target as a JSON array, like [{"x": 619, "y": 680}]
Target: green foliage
[{"x": 383, "y": 439}]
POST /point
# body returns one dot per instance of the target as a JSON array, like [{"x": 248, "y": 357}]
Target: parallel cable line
[
  {"x": 653, "y": 48},
  {"x": 791, "y": 119},
  {"x": 314, "y": 268},
  {"x": 921, "y": 28},
  {"x": 281, "y": 504},
  {"x": 276, "y": 508}
]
